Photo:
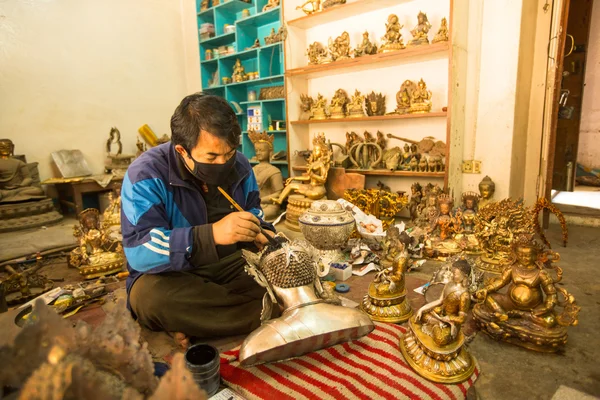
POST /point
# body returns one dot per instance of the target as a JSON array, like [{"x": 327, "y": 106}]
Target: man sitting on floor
[{"x": 181, "y": 236}]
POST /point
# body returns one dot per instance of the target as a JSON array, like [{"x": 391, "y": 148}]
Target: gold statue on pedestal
[
  {"x": 318, "y": 54},
  {"x": 268, "y": 176},
  {"x": 420, "y": 99},
  {"x": 306, "y": 104},
  {"x": 366, "y": 47},
  {"x": 340, "y": 47},
  {"x": 487, "y": 187},
  {"x": 403, "y": 97},
  {"x": 319, "y": 108},
  {"x": 442, "y": 35},
  {"x": 434, "y": 344},
  {"x": 310, "y": 186},
  {"x": 386, "y": 299},
  {"x": 339, "y": 102},
  {"x": 356, "y": 107},
  {"x": 392, "y": 40},
  {"x": 442, "y": 244},
  {"x": 466, "y": 237},
  {"x": 239, "y": 73},
  {"x": 420, "y": 31},
  {"x": 96, "y": 255},
  {"x": 526, "y": 313}
]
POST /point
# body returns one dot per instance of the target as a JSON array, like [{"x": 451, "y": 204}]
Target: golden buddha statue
[
  {"x": 340, "y": 47},
  {"x": 525, "y": 314},
  {"x": 420, "y": 31},
  {"x": 487, "y": 187},
  {"x": 356, "y": 107},
  {"x": 310, "y": 186},
  {"x": 96, "y": 255},
  {"x": 442, "y": 34},
  {"x": 16, "y": 183},
  {"x": 403, "y": 98},
  {"x": 319, "y": 108},
  {"x": 366, "y": 47},
  {"x": 420, "y": 99},
  {"x": 339, "y": 102},
  {"x": 466, "y": 236},
  {"x": 434, "y": 343},
  {"x": 392, "y": 40},
  {"x": 239, "y": 73},
  {"x": 386, "y": 299},
  {"x": 268, "y": 176},
  {"x": 443, "y": 227}
]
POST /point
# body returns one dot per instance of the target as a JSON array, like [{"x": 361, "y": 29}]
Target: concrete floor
[{"x": 508, "y": 372}]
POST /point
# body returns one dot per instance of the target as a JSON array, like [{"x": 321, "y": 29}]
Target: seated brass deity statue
[
  {"x": 403, "y": 98},
  {"x": 111, "y": 218},
  {"x": 440, "y": 242},
  {"x": 428, "y": 210},
  {"x": 466, "y": 237},
  {"x": 318, "y": 54},
  {"x": 339, "y": 102},
  {"x": 420, "y": 31},
  {"x": 319, "y": 108},
  {"x": 366, "y": 47},
  {"x": 442, "y": 34},
  {"x": 434, "y": 344},
  {"x": 525, "y": 314},
  {"x": 270, "y": 4},
  {"x": 96, "y": 254},
  {"x": 268, "y": 176},
  {"x": 340, "y": 47},
  {"x": 306, "y": 104},
  {"x": 239, "y": 73},
  {"x": 420, "y": 99},
  {"x": 487, "y": 187},
  {"x": 386, "y": 299},
  {"x": 392, "y": 40},
  {"x": 356, "y": 107},
  {"x": 309, "y": 321},
  {"x": 16, "y": 183}
]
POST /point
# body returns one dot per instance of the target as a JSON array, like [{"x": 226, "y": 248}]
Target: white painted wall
[
  {"x": 71, "y": 69},
  {"x": 589, "y": 131}
]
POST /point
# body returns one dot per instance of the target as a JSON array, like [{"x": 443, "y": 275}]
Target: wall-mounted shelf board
[
  {"x": 383, "y": 172},
  {"x": 261, "y": 101},
  {"x": 272, "y": 162},
  {"x": 374, "y": 118},
  {"x": 262, "y": 18}
]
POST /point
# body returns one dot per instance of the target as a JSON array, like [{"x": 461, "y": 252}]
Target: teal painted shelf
[
  {"x": 234, "y": 6},
  {"x": 280, "y": 131},
  {"x": 242, "y": 55},
  {"x": 256, "y": 81},
  {"x": 270, "y": 46},
  {"x": 220, "y": 40},
  {"x": 214, "y": 60},
  {"x": 263, "y": 18},
  {"x": 261, "y": 102}
]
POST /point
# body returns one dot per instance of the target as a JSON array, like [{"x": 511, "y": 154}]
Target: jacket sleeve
[
  {"x": 150, "y": 245},
  {"x": 253, "y": 200}
]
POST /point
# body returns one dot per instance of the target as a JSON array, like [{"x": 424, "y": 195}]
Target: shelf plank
[
  {"x": 257, "y": 81},
  {"x": 261, "y": 101},
  {"x": 242, "y": 55},
  {"x": 261, "y": 18},
  {"x": 383, "y": 172},
  {"x": 221, "y": 39},
  {"x": 280, "y": 131},
  {"x": 340, "y": 12},
  {"x": 234, "y": 5},
  {"x": 379, "y": 60},
  {"x": 268, "y": 46},
  {"x": 208, "y": 61},
  {"x": 439, "y": 114},
  {"x": 274, "y": 162}
]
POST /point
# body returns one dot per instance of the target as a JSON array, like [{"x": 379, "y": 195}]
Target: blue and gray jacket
[{"x": 160, "y": 212}]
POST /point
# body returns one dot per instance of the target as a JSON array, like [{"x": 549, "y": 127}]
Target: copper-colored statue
[
  {"x": 420, "y": 31},
  {"x": 310, "y": 6},
  {"x": 269, "y": 178},
  {"x": 420, "y": 99},
  {"x": 428, "y": 211},
  {"x": 239, "y": 73},
  {"x": 392, "y": 40},
  {"x": 442, "y": 34},
  {"x": 319, "y": 108},
  {"x": 270, "y": 4},
  {"x": 487, "y": 187},
  {"x": 375, "y": 104},
  {"x": 386, "y": 299},
  {"x": 442, "y": 229},
  {"x": 340, "y": 47},
  {"x": 526, "y": 313},
  {"x": 339, "y": 102},
  {"x": 356, "y": 106},
  {"x": 306, "y": 104},
  {"x": 366, "y": 47},
  {"x": 434, "y": 344},
  {"x": 97, "y": 255},
  {"x": 16, "y": 183},
  {"x": 318, "y": 54}
]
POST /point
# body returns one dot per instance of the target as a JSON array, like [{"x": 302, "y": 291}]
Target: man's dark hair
[{"x": 201, "y": 111}]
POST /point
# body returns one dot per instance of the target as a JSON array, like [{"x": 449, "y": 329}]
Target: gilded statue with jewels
[
  {"x": 386, "y": 299},
  {"x": 403, "y": 97},
  {"x": 309, "y": 321},
  {"x": 466, "y": 237},
  {"x": 23, "y": 203},
  {"x": 340, "y": 47},
  {"x": 318, "y": 54},
  {"x": 365, "y": 48},
  {"x": 434, "y": 344},
  {"x": 392, "y": 40},
  {"x": 319, "y": 108},
  {"x": 420, "y": 31},
  {"x": 239, "y": 73},
  {"x": 306, "y": 103},
  {"x": 268, "y": 176},
  {"x": 444, "y": 226},
  {"x": 487, "y": 187},
  {"x": 356, "y": 107},
  {"x": 526, "y": 313},
  {"x": 302, "y": 190},
  {"x": 442, "y": 34},
  {"x": 96, "y": 254},
  {"x": 339, "y": 104},
  {"x": 420, "y": 99},
  {"x": 382, "y": 204}
]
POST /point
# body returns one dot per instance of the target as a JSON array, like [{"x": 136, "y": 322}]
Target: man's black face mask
[{"x": 212, "y": 174}]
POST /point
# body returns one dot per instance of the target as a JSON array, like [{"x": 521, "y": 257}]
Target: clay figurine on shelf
[
  {"x": 306, "y": 104},
  {"x": 239, "y": 73},
  {"x": 487, "y": 187},
  {"x": 268, "y": 177},
  {"x": 526, "y": 313},
  {"x": 434, "y": 344},
  {"x": 319, "y": 108},
  {"x": 392, "y": 40},
  {"x": 375, "y": 104},
  {"x": 391, "y": 158},
  {"x": 420, "y": 99},
  {"x": 339, "y": 102},
  {"x": 318, "y": 54},
  {"x": 356, "y": 107},
  {"x": 420, "y": 31},
  {"x": 270, "y": 4},
  {"x": 340, "y": 47},
  {"x": 442, "y": 35},
  {"x": 310, "y": 6},
  {"x": 366, "y": 47}
]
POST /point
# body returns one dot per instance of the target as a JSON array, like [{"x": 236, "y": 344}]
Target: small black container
[{"x": 204, "y": 363}]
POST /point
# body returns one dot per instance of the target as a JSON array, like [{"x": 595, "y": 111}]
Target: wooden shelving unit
[
  {"x": 383, "y": 172},
  {"x": 441, "y": 114}
]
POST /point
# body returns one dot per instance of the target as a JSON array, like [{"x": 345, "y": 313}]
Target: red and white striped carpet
[{"x": 369, "y": 368}]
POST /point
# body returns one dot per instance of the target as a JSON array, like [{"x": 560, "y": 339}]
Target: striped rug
[{"x": 369, "y": 368}]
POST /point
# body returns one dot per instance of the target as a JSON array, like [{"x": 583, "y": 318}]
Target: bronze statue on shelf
[
  {"x": 392, "y": 40},
  {"x": 356, "y": 106},
  {"x": 442, "y": 35},
  {"x": 340, "y": 47},
  {"x": 526, "y": 313},
  {"x": 487, "y": 187},
  {"x": 96, "y": 255},
  {"x": 318, "y": 54},
  {"x": 319, "y": 108},
  {"x": 366, "y": 155},
  {"x": 270, "y": 5},
  {"x": 434, "y": 344},
  {"x": 268, "y": 177},
  {"x": 441, "y": 231},
  {"x": 375, "y": 104},
  {"x": 420, "y": 99},
  {"x": 403, "y": 97},
  {"x": 310, "y": 7},
  {"x": 420, "y": 31},
  {"x": 386, "y": 298},
  {"x": 306, "y": 104},
  {"x": 366, "y": 48},
  {"x": 339, "y": 102},
  {"x": 239, "y": 73},
  {"x": 273, "y": 37},
  {"x": 331, "y": 3}
]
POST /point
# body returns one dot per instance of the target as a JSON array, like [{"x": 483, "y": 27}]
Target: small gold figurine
[
  {"x": 442, "y": 35},
  {"x": 268, "y": 176},
  {"x": 204, "y": 5},
  {"x": 403, "y": 97},
  {"x": 434, "y": 344},
  {"x": 375, "y": 104},
  {"x": 366, "y": 47},
  {"x": 467, "y": 239},
  {"x": 526, "y": 313},
  {"x": 442, "y": 229},
  {"x": 356, "y": 106},
  {"x": 306, "y": 104},
  {"x": 239, "y": 73},
  {"x": 487, "y": 187},
  {"x": 319, "y": 108},
  {"x": 318, "y": 54},
  {"x": 420, "y": 31},
  {"x": 270, "y": 4},
  {"x": 339, "y": 102},
  {"x": 392, "y": 40},
  {"x": 420, "y": 99},
  {"x": 310, "y": 7},
  {"x": 340, "y": 47},
  {"x": 386, "y": 299}
]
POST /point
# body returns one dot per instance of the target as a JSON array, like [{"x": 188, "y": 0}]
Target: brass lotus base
[
  {"x": 420, "y": 108},
  {"x": 356, "y": 114},
  {"x": 297, "y": 205},
  {"x": 491, "y": 265},
  {"x": 337, "y": 113},
  {"x": 444, "y": 364},
  {"x": 520, "y": 331},
  {"x": 386, "y": 48},
  {"x": 108, "y": 267},
  {"x": 418, "y": 42},
  {"x": 319, "y": 114},
  {"x": 28, "y": 214},
  {"x": 389, "y": 308}
]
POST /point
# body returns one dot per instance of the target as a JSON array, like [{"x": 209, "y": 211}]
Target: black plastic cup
[{"x": 205, "y": 365}]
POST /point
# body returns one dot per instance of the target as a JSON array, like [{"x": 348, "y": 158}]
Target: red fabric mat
[{"x": 369, "y": 368}]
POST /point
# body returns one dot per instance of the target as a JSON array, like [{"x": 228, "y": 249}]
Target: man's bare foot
[{"x": 181, "y": 339}]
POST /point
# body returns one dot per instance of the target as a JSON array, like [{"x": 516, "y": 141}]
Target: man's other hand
[
  {"x": 261, "y": 240},
  {"x": 236, "y": 227}
]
